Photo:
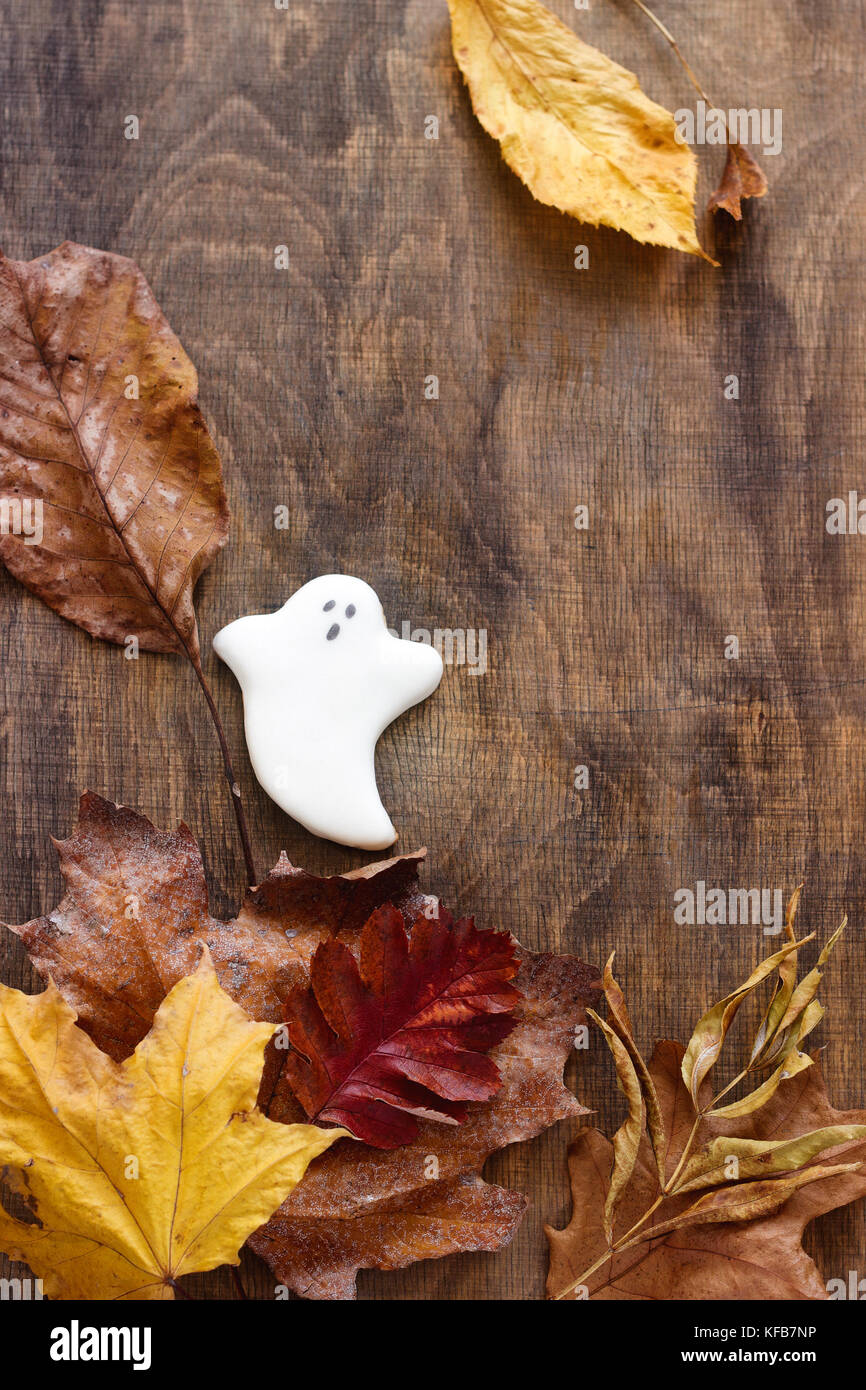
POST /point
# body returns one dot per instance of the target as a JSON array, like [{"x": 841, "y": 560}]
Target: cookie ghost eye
[
  {"x": 351, "y": 611},
  {"x": 329, "y": 605},
  {"x": 332, "y": 632}
]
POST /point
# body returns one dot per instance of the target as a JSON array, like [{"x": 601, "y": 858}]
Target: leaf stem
[
  {"x": 619, "y": 1245},
  {"x": 684, "y": 1156},
  {"x": 724, "y": 1091},
  {"x": 666, "y": 33},
  {"x": 234, "y": 789}
]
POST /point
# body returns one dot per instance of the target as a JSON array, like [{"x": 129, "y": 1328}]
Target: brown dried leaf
[
  {"x": 742, "y": 178},
  {"x": 130, "y": 926},
  {"x": 747, "y": 1201},
  {"x": 803, "y": 995},
  {"x": 136, "y": 910},
  {"x": 744, "y": 1259},
  {"x": 131, "y": 489}
]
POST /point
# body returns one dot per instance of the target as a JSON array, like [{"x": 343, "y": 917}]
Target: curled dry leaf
[
  {"x": 99, "y": 424},
  {"x": 140, "y": 1172},
  {"x": 742, "y": 178},
  {"x": 707, "y": 1040},
  {"x": 627, "y": 1140},
  {"x": 758, "y": 1255},
  {"x": 130, "y": 927},
  {"x": 782, "y": 990},
  {"x": 793, "y": 1013},
  {"x": 745, "y": 1163},
  {"x": 760, "y": 1157},
  {"x": 574, "y": 125},
  {"x": 620, "y": 1022},
  {"x": 748, "y": 1201},
  {"x": 793, "y": 1061}
]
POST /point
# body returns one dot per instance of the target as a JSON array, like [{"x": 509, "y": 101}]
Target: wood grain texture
[{"x": 262, "y": 127}]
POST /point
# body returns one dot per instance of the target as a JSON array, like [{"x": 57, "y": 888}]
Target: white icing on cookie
[{"x": 321, "y": 679}]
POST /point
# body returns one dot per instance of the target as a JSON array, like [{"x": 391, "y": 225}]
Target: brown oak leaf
[
  {"x": 742, "y": 177},
  {"x": 749, "y": 1260},
  {"x": 100, "y": 430},
  {"x": 131, "y": 925}
]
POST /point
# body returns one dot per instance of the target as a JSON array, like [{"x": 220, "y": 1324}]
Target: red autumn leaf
[{"x": 404, "y": 1033}]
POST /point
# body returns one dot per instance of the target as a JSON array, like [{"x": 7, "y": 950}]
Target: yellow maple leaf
[
  {"x": 574, "y": 125},
  {"x": 150, "y": 1169}
]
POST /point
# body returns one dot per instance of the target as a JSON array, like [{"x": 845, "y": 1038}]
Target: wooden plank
[{"x": 410, "y": 257}]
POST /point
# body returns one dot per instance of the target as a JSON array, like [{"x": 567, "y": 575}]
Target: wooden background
[{"x": 409, "y": 257}]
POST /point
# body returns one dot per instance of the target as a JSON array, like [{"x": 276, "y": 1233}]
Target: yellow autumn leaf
[
  {"x": 710, "y": 1033},
  {"x": 574, "y": 125},
  {"x": 143, "y": 1171},
  {"x": 761, "y": 1158}
]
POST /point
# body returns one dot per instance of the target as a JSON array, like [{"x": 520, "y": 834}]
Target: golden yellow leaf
[
  {"x": 784, "y": 987},
  {"x": 706, "y": 1041},
  {"x": 793, "y": 1062},
  {"x": 143, "y": 1171},
  {"x": 574, "y": 125},
  {"x": 761, "y": 1158}
]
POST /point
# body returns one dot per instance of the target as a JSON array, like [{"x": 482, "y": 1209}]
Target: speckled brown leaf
[
  {"x": 748, "y": 1260},
  {"x": 136, "y": 910},
  {"x": 130, "y": 926},
  {"x": 99, "y": 423}
]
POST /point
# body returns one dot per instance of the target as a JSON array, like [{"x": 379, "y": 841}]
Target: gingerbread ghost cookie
[{"x": 321, "y": 679}]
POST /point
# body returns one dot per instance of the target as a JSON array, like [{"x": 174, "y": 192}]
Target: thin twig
[
  {"x": 234, "y": 789},
  {"x": 684, "y": 1156},
  {"x": 666, "y": 33},
  {"x": 238, "y": 1282}
]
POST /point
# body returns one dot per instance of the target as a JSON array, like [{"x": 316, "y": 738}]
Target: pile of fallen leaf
[
  {"x": 696, "y": 1199},
  {"x": 426, "y": 1043}
]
